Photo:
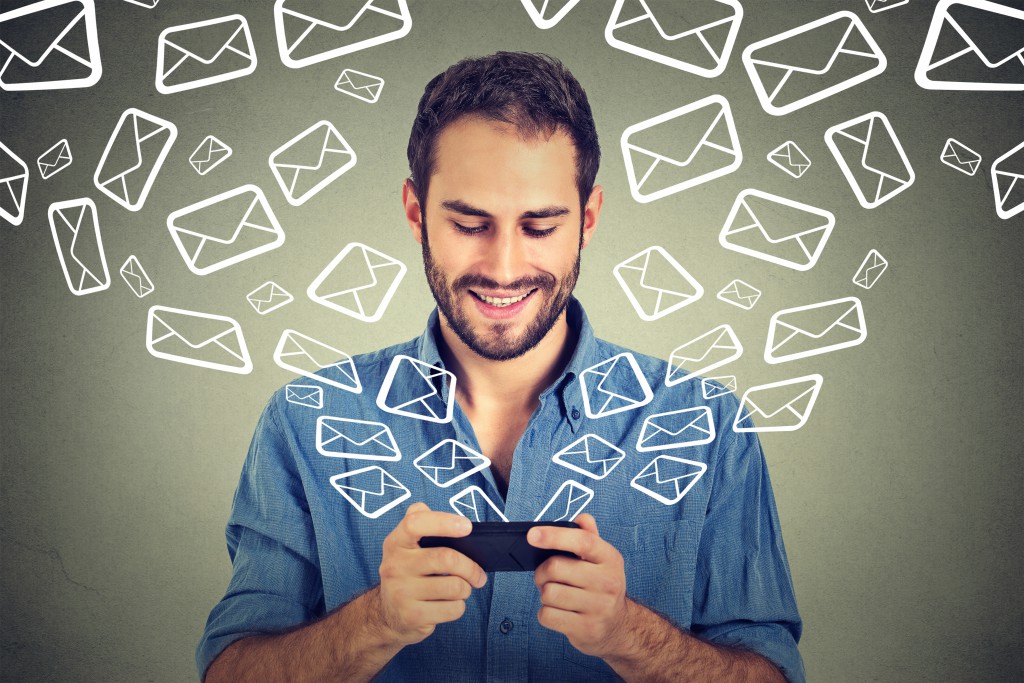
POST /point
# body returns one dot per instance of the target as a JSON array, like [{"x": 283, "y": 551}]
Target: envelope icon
[
  {"x": 268, "y": 297},
  {"x": 790, "y": 158},
  {"x": 360, "y": 282},
  {"x": 49, "y": 45},
  {"x": 656, "y": 284},
  {"x": 76, "y": 234},
  {"x": 614, "y": 386},
  {"x": 676, "y": 429},
  {"x": 973, "y": 45},
  {"x": 225, "y": 229},
  {"x": 449, "y": 462},
  {"x": 13, "y": 184},
  {"x": 668, "y": 479},
  {"x": 304, "y": 395},
  {"x": 547, "y": 13},
  {"x": 371, "y": 490},
  {"x": 778, "y": 407},
  {"x": 696, "y": 36},
  {"x": 956, "y": 154},
  {"x": 795, "y": 333},
  {"x": 882, "y": 5},
  {"x": 871, "y": 158},
  {"x": 54, "y": 160},
  {"x": 210, "y": 153},
  {"x": 133, "y": 156},
  {"x": 870, "y": 270},
  {"x": 775, "y": 229},
  {"x": 590, "y": 455},
  {"x": 136, "y": 277},
  {"x": 362, "y": 86},
  {"x": 811, "y": 62},
  {"x": 204, "y": 53},
  {"x": 201, "y": 339},
  {"x": 311, "y": 161},
  {"x": 148, "y": 4},
  {"x": 568, "y": 501},
  {"x": 308, "y": 33},
  {"x": 339, "y": 437},
  {"x": 411, "y": 389},
  {"x": 680, "y": 149},
  {"x": 713, "y": 387},
  {"x": 473, "y": 504},
  {"x": 705, "y": 353},
  {"x": 1008, "y": 182},
  {"x": 739, "y": 293},
  {"x": 316, "y": 360}
]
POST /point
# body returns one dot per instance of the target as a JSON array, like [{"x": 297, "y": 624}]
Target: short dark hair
[{"x": 533, "y": 92}]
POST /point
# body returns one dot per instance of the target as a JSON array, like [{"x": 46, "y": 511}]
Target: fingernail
[
  {"x": 481, "y": 579},
  {"x": 534, "y": 536}
]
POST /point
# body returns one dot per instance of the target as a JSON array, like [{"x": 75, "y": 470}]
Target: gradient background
[{"x": 900, "y": 499}]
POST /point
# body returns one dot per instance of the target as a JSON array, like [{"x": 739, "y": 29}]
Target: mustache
[{"x": 546, "y": 282}]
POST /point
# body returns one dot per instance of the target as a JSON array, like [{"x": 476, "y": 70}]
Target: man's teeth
[{"x": 501, "y": 303}]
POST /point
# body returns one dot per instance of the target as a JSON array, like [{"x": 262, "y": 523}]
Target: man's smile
[{"x": 501, "y": 305}]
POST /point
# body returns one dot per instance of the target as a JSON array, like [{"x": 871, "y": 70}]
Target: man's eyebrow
[{"x": 461, "y": 207}]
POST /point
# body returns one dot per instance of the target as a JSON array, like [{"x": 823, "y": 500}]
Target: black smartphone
[{"x": 500, "y": 546}]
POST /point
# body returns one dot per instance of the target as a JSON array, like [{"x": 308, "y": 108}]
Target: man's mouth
[{"x": 501, "y": 302}]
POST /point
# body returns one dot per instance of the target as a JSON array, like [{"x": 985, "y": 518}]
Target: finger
[
  {"x": 571, "y": 572},
  {"x": 584, "y": 544},
  {"x": 569, "y": 598},
  {"x": 425, "y": 522},
  {"x": 560, "y": 620},
  {"x": 587, "y": 523},
  {"x": 433, "y": 588},
  {"x": 440, "y": 611},
  {"x": 437, "y": 561}
]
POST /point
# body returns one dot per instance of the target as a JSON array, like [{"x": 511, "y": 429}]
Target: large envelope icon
[
  {"x": 136, "y": 277},
  {"x": 956, "y": 154},
  {"x": 49, "y": 45},
  {"x": 871, "y": 157},
  {"x": 339, "y": 437},
  {"x": 676, "y": 429},
  {"x": 76, "y": 234},
  {"x": 739, "y": 293},
  {"x": 778, "y": 407},
  {"x": 870, "y": 270},
  {"x": 316, "y": 360},
  {"x": 656, "y": 284},
  {"x": 795, "y": 333},
  {"x": 309, "y": 32},
  {"x": 201, "y": 339},
  {"x": 360, "y": 281},
  {"x": 590, "y": 455},
  {"x": 613, "y": 386},
  {"x": 705, "y": 353},
  {"x": 473, "y": 503},
  {"x": 54, "y": 160},
  {"x": 133, "y": 156},
  {"x": 411, "y": 389},
  {"x": 547, "y": 13},
  {"x": 1008, "y": 182},
  {"x": 304, "y": 395},
  {"x": 713, "y": 387},
  {"x": 13, "y": 185},
  {"x": 210, "y": 153},
  {"x": 449, "y": 462},
  {"x": 681, "y": 149},
  {"x": 371, "y": 490},
  {"x": 790, "y": 158},
  {"x": 365, "y": 87},
  {"x": 668, "y": 479},
  {"x": 811, "y": 62},
  {"x": 568, "y": 501},
  {"x": 311, "y": 161},
  {"x": 775, "y": 229},
  {"x": 268, "y": 297},
  {"x": 203, "y": 53}
]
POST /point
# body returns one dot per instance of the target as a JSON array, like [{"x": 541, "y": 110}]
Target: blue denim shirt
[{"x": 712, "y": 561}]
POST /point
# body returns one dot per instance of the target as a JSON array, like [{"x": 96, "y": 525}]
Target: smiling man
[{"x": 679, "y": 572}]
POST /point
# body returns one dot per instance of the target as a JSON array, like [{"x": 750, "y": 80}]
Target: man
[{"x": 330, "y": 582}]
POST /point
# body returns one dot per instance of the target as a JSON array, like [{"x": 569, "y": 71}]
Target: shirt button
[
  {"x": 505, "y": 626},
  {"x": 575, "y": 413}
]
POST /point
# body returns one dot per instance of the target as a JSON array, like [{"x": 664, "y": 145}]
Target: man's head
[{"x": 503, "y": 155}]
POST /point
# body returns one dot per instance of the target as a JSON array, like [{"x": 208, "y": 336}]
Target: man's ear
[
  {"x": 413, "y": 212},
  {"x": 591, "y": 212}
]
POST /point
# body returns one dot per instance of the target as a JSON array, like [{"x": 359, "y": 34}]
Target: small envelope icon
[
  {"x": 696, "y": 36},
  {"x": 871, "y": 158},
  {"x": 779, "y": 406},
  {"x": 133, "y": 156},
  {"x": 656, "y": 284},
  {"x": 1008, "y": 182},
  {"x": 778, "y": 230},
  {"x": 472, "y": 503},
  {"x": 676, "y": 429},
  {"x": 362, "y": 86},
  {"x": 316, "y": 360},
  {"x": 311, "y": 161},
  {"x": 973, "y": 45},
  {"x": 371, "y": 490},
  {"x": 411, "y": 389},
  {"x": 49, "y": 45},
  {"x": 811, "y": 62},
  {"x": 795, "y": 333},
  {"x": 870, "y": 270},
  {"x": 591, "y": 456},
  {"x": 882, "y": 5},
  {"x": 13, "y": 185},
  {"x": 148, "y": 4},
  {"x": 201, "y": 339},
  {"x": 956, "y": 154},
  {"x": 360, "y": 281},
  {"x": 449, "y": 462},
  {"x": 339, "y": 437},
  {"x": 54, "y": 160},
  {"x": 136, "y": 277},
  {"x": 739, "y": 293},
  {"x": 668, "y": 479},
  {"x": 210, "y": 153},
  {"x": 304, "y": 395},
  {"x": 680, "y": 149},
  {"x": 705, "y": 353},
  {"x": 225, "y": 229},
  {"x": 614, "y": 386},
  {"x": 790, "y": 158},
  {"x": 76, "y": 234},
  {"x": 568, "y": 501},
  {"x": 547, "y": 13},
  {"x": 713, "y": 387},
  {"x": 203, "y": 53},
  {"x": 268, "y": 297},
  {"x": 307, "y": 34}
]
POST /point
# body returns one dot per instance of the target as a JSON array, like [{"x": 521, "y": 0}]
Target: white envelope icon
[
  {"x": 371, "y": 490},
  {"x": 316, "y": 360},
  {"x": 13, "y": 185},
  {"x": 795, "y": 333},
  {"x": 882, "y": 5},
  {"x": 614, "y": 386},
  {"x": 790, "y": 158},
  {"x": 778, "y": 407},
  {"x": 136, "y": 151},
  {"x": 365, "y": 87},
  {"x": 866, "y": 148},
  {"x": 449, "y": 462},
  {"x": 268, "y": 297},
  {"x": 739, "y": 293},
  {"x": 656, "y": 284},
  {"x": 49, "y": 45},
  {"x": 472, "y": 503},
  {"x": 696, "y": 36},
  {"x": 148, "y": 4},
  {"x": 54, "y": 160},
  {"x": 210, "y": 154},
  {"x": 360, "y": 281},
  {"x": 311, "y": 161},
  {"x": 591, "y": 456},
  {"x": 304, "y": 395},
  {"x": 308, "y": 32},
  {"x": 956, "y": 154},
  {"x": 76, "y": 234},
  {"x": 713, "y": 387},
  {"x": 705, "y": 353},
  {"x": 775, "y": 229},
  {"x": 1008, "y": 182},
  {"x": 410, "y": 389},
  {"x": 204, "y": 53},
  {"x": 136, "y": 277},
  {"x": 676, "y": 429},
  {"x": 668, "y": 479},
  {"x": 339, "y": 437},
  {"x": 568, "y": 501},
  {"x": 225, "y": 229},
  {"x": 870, "y": 270},
  {"x": 547, "y": 13},
  {"x": 680, "y": 149},
  {"x": 201, "y": 339},
  {"x": 980, "y": 47},
  {"x": 811, "y": 62}
]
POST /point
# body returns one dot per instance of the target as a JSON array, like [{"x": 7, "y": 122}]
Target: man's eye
[
  {"x": 469, "y": 229},
  {"x": 539, "y": 232}
]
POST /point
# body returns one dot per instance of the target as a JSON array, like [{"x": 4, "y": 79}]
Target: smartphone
[{"x": 500, "y": 546}]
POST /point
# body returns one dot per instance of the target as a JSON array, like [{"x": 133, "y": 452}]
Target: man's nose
[{"x": 507, "y": 259}]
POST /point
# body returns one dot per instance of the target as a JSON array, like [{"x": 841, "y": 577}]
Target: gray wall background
[{"x": 900, "y": 500}]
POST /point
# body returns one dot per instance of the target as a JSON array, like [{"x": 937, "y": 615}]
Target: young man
[{"x": 329, "y": 580}]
